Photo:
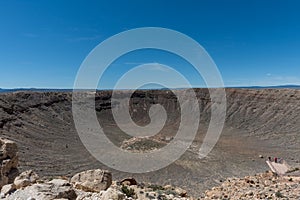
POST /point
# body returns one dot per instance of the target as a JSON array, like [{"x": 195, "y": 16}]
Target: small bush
[
  {"x": 156, "y": 187},
  {"x": 279, "y": 195},
  {"x": 161, "y": 197},
  {"x": 128, "y": 191},
  {"x": 170, "y": 192}
]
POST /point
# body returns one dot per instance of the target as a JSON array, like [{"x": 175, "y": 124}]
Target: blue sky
[{"x": 253, "y": 42}]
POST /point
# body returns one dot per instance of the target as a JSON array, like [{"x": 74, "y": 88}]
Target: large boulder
[
  {"x": 92, "y": 180},
  {"x": 55, "y": 189},
  {"x": 8, "y": 161}
]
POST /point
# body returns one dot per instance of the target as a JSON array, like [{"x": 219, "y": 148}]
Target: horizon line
[{"x": 154, "y": 88}]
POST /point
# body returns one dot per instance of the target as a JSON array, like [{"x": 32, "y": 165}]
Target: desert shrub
[
  {"x": 279, "y": 195},
  {"x": 128, "y": 191},
  {"x": 156, "y": 187},
  {"x": 161, "y": 197},
  {"x": 170, "y": 192}
]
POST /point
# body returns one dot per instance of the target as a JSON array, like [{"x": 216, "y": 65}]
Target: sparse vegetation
[
  {"x": 143, "y": 144},
  {"x": 129, "y": 192},
  {"x": 156, "y": 187},
  {"x": 170, "y": 192},
  {"x": 278, "y": 194}
]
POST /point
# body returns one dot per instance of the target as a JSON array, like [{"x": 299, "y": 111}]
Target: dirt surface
[{"x": 258, "y": 122}]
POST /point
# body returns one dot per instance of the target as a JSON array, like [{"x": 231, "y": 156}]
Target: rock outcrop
[
  {"x": 63, "y": 189},
  {"x": 261, "y": 186},
  {"x": 55, "y": 189},
  {"x": 92, "y": 180},
  {"x": 8, "y": 162}
]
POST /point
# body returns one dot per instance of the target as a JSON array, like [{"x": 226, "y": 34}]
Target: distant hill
[
  {"x": 70, "y": 90},
  {"x": 271, "y": 87},
  {"x": 35, "y": 90}
]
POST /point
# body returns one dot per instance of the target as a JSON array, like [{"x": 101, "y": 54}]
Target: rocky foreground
[
  {"x": 97, "y": 184},
  {"x": 261, "y": 186},
  {"x": 92, "y": 184},
  {"x": 88, "y": 185}
]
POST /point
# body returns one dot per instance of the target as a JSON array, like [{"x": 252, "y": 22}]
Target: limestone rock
[
  {"x": 92, "y": 180},
  {"x": 81, "y": 195},
  {"x": 168, "y": 187},
  {"x": 112, "y": 194},
  {"x": 8, "y": 149},
  {"x": 55, "y": 189},
  {"x": 128, "y": 181},
  {"x": 7, "y": 189},
  {"x": 25, "y": 179},
  {"x": 181, "y": 192},
  {"x": 8, "y": 161}
]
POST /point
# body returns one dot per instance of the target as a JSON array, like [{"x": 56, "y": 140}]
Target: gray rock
[
  {"x": 8, "y": 161},
  {"x": 8, "y": 149}
]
